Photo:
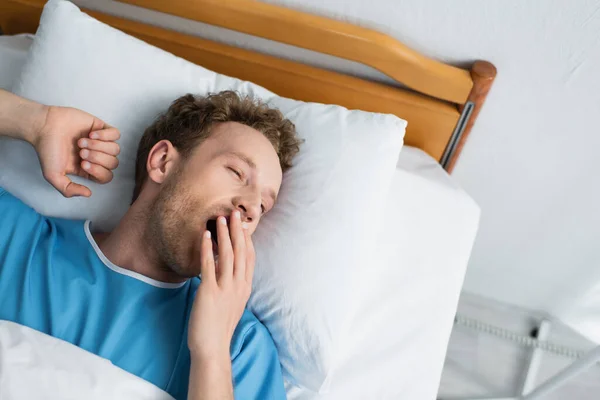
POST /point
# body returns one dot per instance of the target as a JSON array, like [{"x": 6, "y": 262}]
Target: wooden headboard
[{"x": 441, "y": 103}]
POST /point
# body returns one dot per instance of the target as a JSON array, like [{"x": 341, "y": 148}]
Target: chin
[{"x": 188, "y": 267}]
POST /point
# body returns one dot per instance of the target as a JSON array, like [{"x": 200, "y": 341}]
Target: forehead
[{"x": 229, "y": 138}]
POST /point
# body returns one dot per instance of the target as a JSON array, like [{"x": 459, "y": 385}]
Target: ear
[{"x": 162, "y": 160}]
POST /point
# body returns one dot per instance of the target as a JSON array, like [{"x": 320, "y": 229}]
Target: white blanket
[{"x": 34, "y": 365}]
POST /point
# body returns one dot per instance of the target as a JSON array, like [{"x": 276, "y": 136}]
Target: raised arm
[{"x": 67, "y": 141}]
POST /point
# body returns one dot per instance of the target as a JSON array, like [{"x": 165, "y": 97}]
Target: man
[{"x": 206, "y": 172}]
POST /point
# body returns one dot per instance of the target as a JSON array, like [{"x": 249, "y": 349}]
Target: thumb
[
  {"x": 68, "y": 188},
  {"x": 97, "y": 124}
]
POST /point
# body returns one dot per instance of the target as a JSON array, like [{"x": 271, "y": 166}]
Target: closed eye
[{"x": 235, "y": 171}]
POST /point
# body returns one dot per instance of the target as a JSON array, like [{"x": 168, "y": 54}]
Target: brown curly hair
[{"x": 189, "y": 120}]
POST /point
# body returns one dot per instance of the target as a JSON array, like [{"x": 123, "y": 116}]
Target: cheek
[
  {"x": 185, "y": 207},
  {"x": 210, "y": 183},
  {"x": 209, "y": 191}
]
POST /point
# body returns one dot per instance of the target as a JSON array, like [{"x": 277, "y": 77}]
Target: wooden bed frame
[{"x": 441, "y": 104}]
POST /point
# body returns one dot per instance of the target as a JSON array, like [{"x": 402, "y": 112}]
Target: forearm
[
  {"x": 210, "y": 379},
  {"x": 20, "y": 118}
]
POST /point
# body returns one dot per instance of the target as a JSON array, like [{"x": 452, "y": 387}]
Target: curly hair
[{"x": 189, "y": 120}]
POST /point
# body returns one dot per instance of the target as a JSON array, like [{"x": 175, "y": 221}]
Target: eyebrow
[
  {"x": 252, "y": 165},
  {"x": 244, "y": 158}
]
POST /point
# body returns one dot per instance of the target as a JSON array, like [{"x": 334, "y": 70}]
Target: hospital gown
[{"x": 54, "y": 278}]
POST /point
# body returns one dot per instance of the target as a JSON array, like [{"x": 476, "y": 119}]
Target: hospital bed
[{"x": 441, "y": 103}]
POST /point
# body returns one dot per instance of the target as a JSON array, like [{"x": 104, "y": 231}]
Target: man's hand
[
  {"x": 218, "y": 307},
  {"x": 67, "y": 140},
  {"x": 71, "y": 141}
]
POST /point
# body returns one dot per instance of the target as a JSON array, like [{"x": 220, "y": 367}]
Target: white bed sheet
[
  {"x": 398, "y": 344},
  {"x": 34, "y": 365}
]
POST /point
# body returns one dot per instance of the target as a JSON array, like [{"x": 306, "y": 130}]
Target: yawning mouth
[{"x": 211, "y": 226}]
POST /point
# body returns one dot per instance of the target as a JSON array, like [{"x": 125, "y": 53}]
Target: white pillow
[
  {"x": 312, "y": 248},
  {"x": 399, "y": 336},
  {"x": 13, "y": 51}
]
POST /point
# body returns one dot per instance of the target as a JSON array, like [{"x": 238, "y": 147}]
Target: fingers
[
  {"x": 236, "y": 251},
  {"x": 207, "y": 259},
  {"x": 239, "y": 246},
  {"x": 99, "y": 157},
  {"x": 225, "y": 250},
  {"x": 64, "y": 185},
  {"x": 111, "y": 148},
  {"x": 102, "y": 159},
  {"x": 250, "y": 257},
  {"x": 99, "y": 173},
  {"x": 108, "y": 134}
]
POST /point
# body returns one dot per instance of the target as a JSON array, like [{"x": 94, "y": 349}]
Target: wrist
[
  {"x": 33, "y": 120},
  {"x": 21, "y": 118},
  {"x": 214, "y": 364},
  {"x": 214, "y": 358},
  {"x": 210, "y": 377}
]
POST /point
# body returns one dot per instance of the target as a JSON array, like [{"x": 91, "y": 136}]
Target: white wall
[{"x": 531, "y": 161}]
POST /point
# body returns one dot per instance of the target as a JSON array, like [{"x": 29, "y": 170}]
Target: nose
[{"x": 249, "y": 208}]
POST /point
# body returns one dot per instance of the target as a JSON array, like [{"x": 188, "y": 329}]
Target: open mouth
[{"x": 211, "y": 226}]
